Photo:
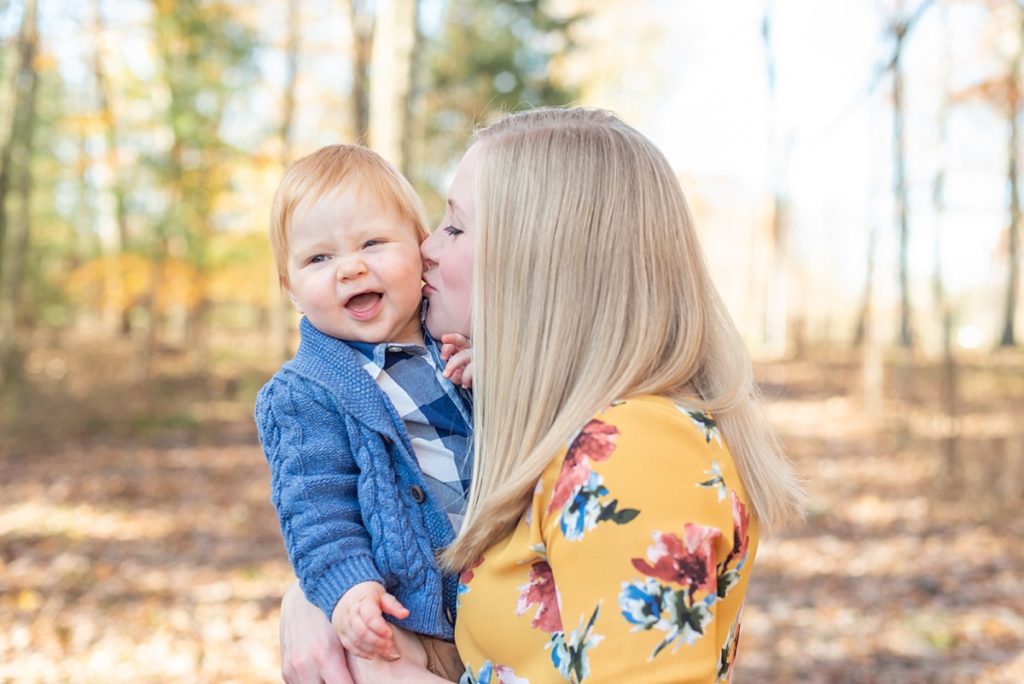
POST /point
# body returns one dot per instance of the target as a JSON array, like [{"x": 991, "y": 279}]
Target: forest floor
[{"x": 138, "y": 544}]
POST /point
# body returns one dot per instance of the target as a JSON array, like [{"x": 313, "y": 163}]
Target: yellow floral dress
[{"x": 630, "y": 565}]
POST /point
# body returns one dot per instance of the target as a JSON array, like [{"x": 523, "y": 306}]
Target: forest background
[{"x": 854, "y": 170}]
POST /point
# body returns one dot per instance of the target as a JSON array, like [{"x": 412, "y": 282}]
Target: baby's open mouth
[{"x": 363, "y": 301}]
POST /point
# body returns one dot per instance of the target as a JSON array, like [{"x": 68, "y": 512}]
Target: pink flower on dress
[
  {"x": 740, "y": 530},
  {"x": 466, "y": 576},
  {"x": 595, "y": 442},
  {"x": 690, "y": 564},
  {"x": 541, "y": 590}
]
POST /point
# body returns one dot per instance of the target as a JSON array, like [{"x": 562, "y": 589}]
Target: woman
[{"x": 623, "y": 465}]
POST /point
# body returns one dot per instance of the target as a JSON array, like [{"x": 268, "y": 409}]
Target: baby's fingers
[
  {"x": 376, "y": 634},
  {"x": 452, "y": 343},
  {"x": 391, "y": 605},
  {"x": 460, "y": 341},
  {"x": 458, "y": 362},
  {"x": 365, "y": 643}
]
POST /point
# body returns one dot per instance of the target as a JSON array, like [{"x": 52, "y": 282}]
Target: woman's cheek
[{"x": 459, "y": 294}]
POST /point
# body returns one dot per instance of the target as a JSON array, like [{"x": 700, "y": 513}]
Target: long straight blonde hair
[{"x": 590, "y": 285}]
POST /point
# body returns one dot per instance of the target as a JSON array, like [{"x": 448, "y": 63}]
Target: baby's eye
[
  {"x": 372, "y": 243},
  {"x": 452, "y": 230},
  {"x": 317, "y": 259}
]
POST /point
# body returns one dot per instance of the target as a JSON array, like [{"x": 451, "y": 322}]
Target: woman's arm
[
  {"x": 650, "y": 546},
  {"x": 311, "y": 652}
]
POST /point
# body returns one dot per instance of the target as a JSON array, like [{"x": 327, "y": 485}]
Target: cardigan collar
[{"x": 334, "y": 364}]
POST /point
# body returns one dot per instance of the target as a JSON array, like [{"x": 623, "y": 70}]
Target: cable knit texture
[{"x": 343, "y": 477}]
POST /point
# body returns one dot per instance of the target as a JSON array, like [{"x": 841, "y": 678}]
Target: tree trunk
[
  {"x": 867, "y": 338},
  {"x": 361, "y": 20},
  {"x": 900, "y": 193},
  {"x": 118, "y": 189},
  {"x": 17, "y": 176},
  {"x": 943, "y": 310},
  {"x": 775, "y": 322},
  {"x": 901, "y": 29},
  {"x": 280, "y": 309},
  {"x": 391, "y": 90},
  {"x": 860, "y": 334},
  {"x": 1008, "y": 337}
]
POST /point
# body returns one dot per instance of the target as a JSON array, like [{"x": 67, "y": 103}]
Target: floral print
[
  {"x": 491, "y": 674},
  {"x": 728, "y": 657},
  {"x": 715, "y": 481},
  {"x": 540, "y": 591},
  {"x": 683, "y": 611},
  {"x": 579, "y": 490},
  {"x": 705, "y": 424},
  {"x": 465, "y": 577},
  {"x": 675, "y": 562},
  {"x": 595, "y": 442},
  {"x": 586, "y": 509},
  {"x": 570, "y": 656}
]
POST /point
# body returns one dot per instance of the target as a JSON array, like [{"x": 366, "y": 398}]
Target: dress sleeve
[
  {"x": 313, "y": 482},
  {"x": 648, "y": 538}
]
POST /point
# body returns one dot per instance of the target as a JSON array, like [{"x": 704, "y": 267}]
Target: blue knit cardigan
[{"x": 349, "y": 494}]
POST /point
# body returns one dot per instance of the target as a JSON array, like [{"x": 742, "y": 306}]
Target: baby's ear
[{"x": 295, "y": 301}]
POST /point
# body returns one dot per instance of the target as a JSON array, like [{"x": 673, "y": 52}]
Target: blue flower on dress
[
  {"x": 583, "y": 510},
  {"x": 640, "y": 602}
]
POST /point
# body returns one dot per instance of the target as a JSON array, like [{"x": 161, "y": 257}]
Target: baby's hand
[
  {"x": 358, "y": 618},
  {"x": 456, "y": 350}
]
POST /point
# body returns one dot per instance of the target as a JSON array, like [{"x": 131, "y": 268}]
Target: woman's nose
[{"x": 428, "y": 250}]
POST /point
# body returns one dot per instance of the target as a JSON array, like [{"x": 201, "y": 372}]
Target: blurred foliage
[
  {"x": 492, "y": 57},
  {"x": 149, "y": 202}
]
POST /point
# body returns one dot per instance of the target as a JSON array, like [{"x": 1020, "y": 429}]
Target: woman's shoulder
[
  {"x": 640, "y": 438},
  {"x": 648, "y": 421}
]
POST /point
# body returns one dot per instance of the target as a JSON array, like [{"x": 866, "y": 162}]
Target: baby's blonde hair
[
  {"x": 590, "y": 285},
  {"x": 310, "y": 178}
]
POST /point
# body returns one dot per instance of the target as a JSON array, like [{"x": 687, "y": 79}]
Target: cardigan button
[
  {"x": 418, "y": 495},
  {"x": 449, "y": 616},
  {"x": 386, "y": 440}
]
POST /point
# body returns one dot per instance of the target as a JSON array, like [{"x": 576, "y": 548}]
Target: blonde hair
[
  {"x": 589, "y": 286},
  {"x": 310, "y": 178}
]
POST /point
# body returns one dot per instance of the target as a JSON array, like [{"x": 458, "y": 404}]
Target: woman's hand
[
  {"x": 457, "y": 352},
  {"x": 311, "y": 652}
]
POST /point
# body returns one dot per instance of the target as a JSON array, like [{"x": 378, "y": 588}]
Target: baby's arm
[
  {"x": 457, "y": 351},
  {"x": 314, "y": 481},
  {"x": 359, "y": 620}
]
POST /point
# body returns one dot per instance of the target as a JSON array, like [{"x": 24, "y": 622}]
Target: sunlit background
[{"x": 854, "y": 172}]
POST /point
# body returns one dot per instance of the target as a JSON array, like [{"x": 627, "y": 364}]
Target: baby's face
[{"x": 354, "y": 268}]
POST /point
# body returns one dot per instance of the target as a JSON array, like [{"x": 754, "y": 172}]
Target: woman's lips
[
  {"x": 364, "y": 305},
  {"x": 428, "y": 289}
]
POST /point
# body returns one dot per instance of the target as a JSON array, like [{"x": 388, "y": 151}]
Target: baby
[{"x": 369, "y": 445}]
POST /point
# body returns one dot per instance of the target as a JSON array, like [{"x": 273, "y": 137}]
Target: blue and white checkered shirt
[{"x": 435, "y": 412}]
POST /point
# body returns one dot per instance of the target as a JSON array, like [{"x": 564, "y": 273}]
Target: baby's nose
[{"x": 351, "y": 267}]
